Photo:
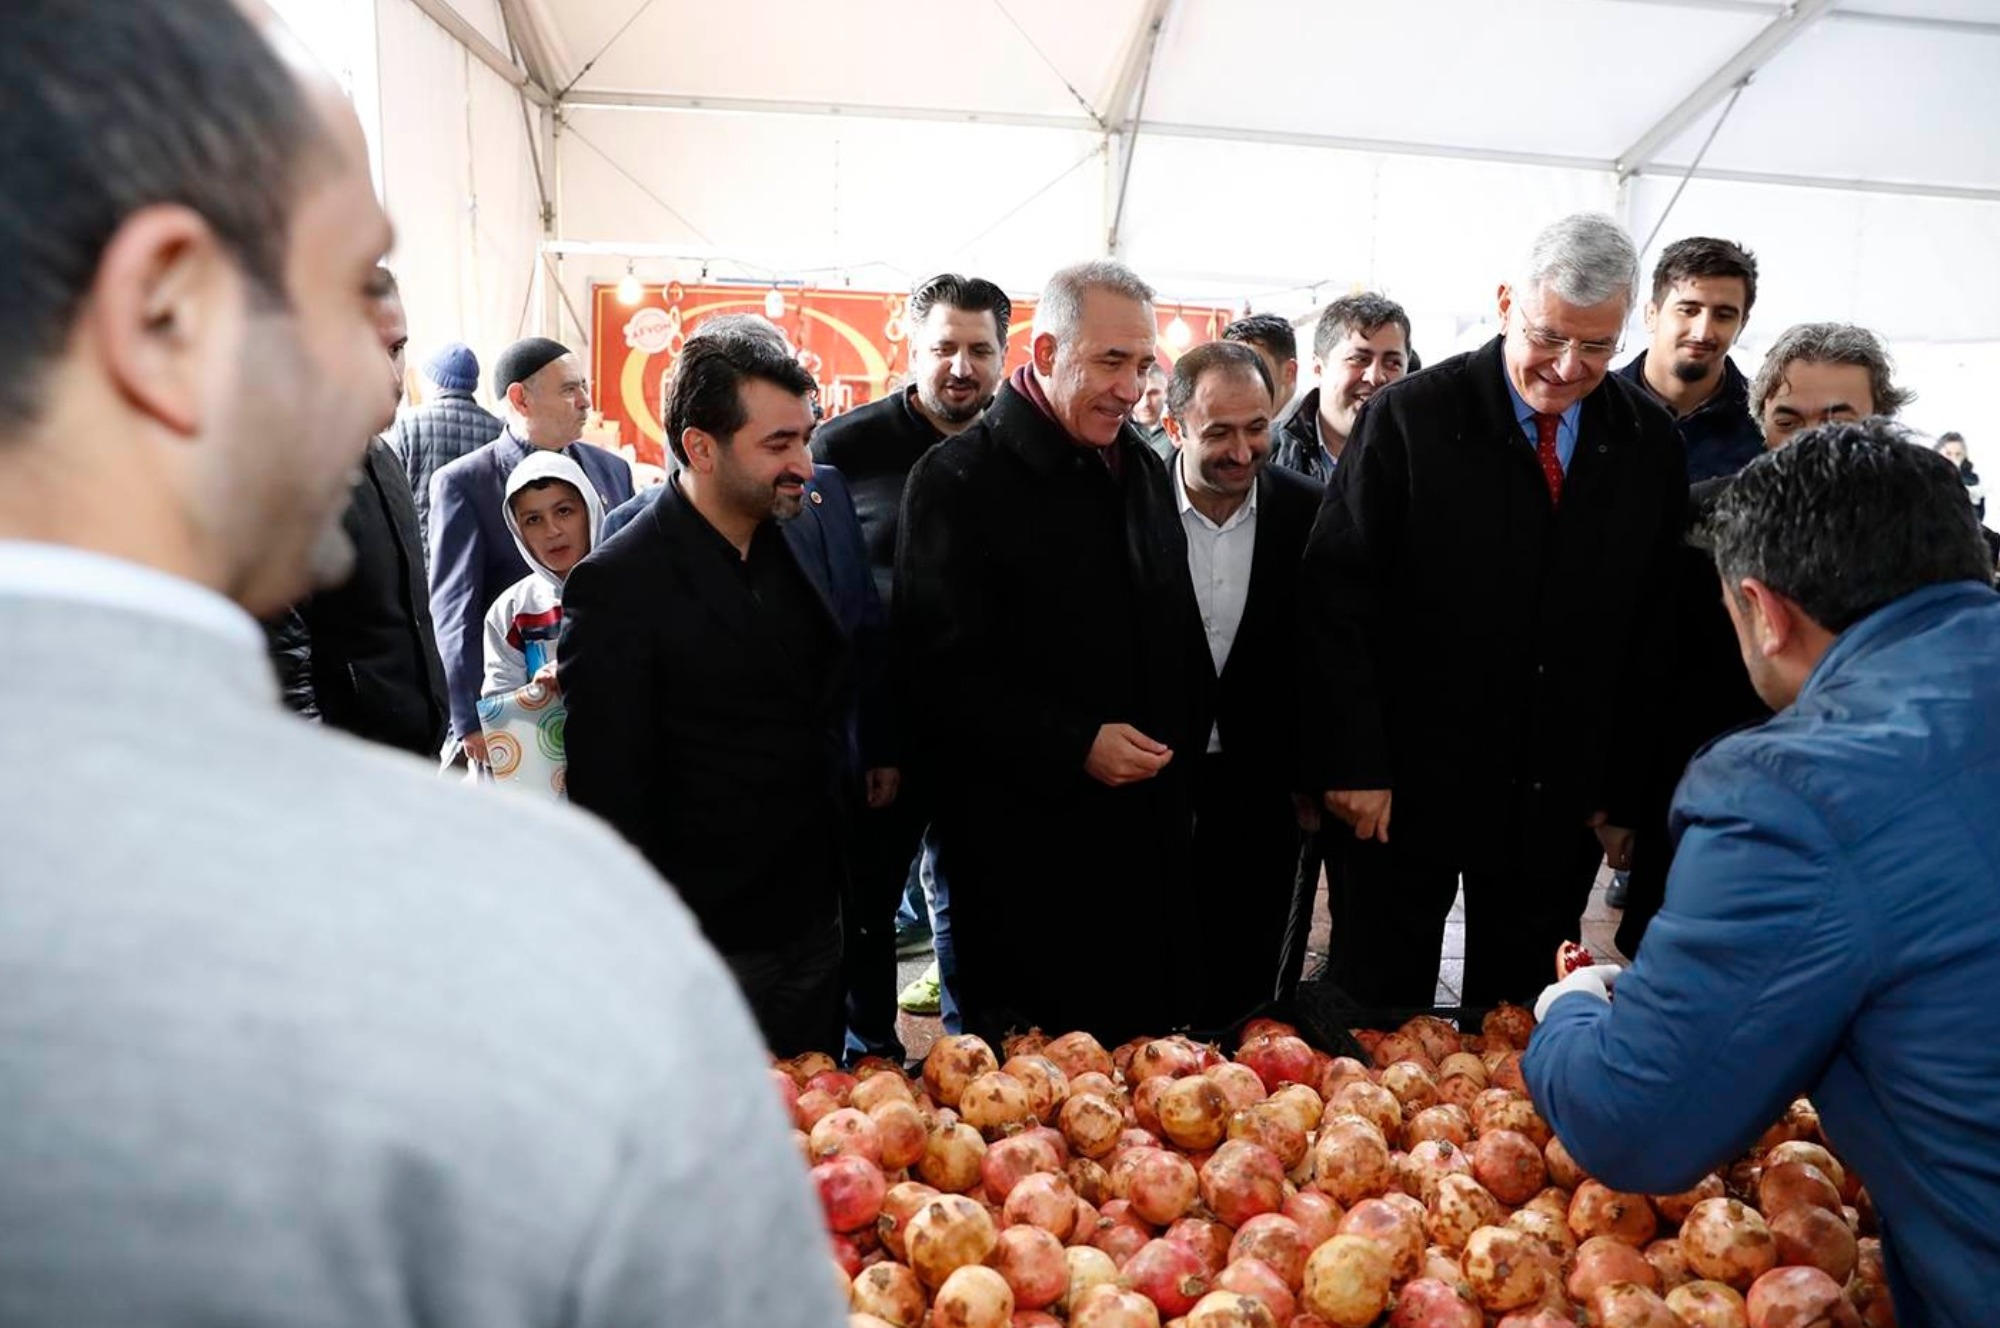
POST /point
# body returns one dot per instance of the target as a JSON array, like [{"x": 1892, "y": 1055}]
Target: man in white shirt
[{"x": 1246, "y": 525}]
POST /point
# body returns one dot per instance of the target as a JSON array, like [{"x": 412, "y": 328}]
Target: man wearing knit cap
[
  {"x": 473, "y": 555},
  {"x": 448, "y": 426}
]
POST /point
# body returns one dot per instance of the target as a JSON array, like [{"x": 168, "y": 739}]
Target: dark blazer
[
  {"x": 474, "y": 558},
  {"x": 361, "y": 656},
  {"x": 1496, "y": 660},
  {"x": 1038, "y": 598},
  {"x": 1295, "y": 443},
  {"x": 430, "y": 437},
  {"x": 692, "y": 732}
]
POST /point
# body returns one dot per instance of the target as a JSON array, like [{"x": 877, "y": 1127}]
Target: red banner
[{"x": 852, "y": 342}]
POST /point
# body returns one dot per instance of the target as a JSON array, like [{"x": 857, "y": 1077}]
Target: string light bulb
[
  {"x": 774, "y": 304},
  {"x": 1179, "y": 334},
  {"x": 629, "y": 289}
]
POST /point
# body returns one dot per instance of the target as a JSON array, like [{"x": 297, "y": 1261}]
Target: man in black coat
[
  {"x": 711, "y": 675},
  {"x": 957, "y": 335},
  {"x": 1043, "y": 613},
  {"x": 1486, "y": 617},
  {"x": 1361, "y": 344},
  {"x": 1246, "y": 526},
  {"x": 361, "y": 655}
]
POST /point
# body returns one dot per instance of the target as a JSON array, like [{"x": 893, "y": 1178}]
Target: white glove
[{"x": 1595, "y": 980}]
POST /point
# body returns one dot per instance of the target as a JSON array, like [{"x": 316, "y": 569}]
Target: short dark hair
[
  {"x": 120, "y": 105},
  {"x": 1361, "y": 313},
  {"x": 1271, "y": 331},
  {"x": 1847, "y": 518},
  {"x": 547, "y": 481},
  {"x": 1950, "y": 436},
  {"x": 1208, "y": 357},
  {"x": 974, "y": 295},
  {"x": 1705, "y": 256},
  {"x": 706, "y": 389}
]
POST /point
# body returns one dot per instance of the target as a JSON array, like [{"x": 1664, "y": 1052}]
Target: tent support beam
[
  {"x": 1126, "y": 111},
  {"x": 533, "y": 46},
  {"x": 1738, "y": 69},
  {"x": 474, "y": 41}
]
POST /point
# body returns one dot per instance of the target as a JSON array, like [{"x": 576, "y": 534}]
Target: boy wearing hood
[{"x": 554, "y": 514}]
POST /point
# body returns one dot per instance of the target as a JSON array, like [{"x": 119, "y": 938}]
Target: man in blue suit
[
  {"x": 720, "y": 659},
  {"x": 473, "y": 554},
  {"x": 1830, "y": 926}
]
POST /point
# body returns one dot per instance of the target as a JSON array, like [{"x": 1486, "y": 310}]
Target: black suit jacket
[
  {"x": 1496, "y": 660},
  {"x": 698, "y": 737}
]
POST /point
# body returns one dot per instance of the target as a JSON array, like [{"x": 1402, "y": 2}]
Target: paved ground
[{"x": 1600, "y": 923}]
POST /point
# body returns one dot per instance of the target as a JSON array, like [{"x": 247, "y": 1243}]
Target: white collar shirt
[{"x": 1219, "y": 558}]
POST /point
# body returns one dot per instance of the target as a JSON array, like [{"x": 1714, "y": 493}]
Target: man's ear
[
  {"x": 1043, "y": 352},
  {"x": 1652, "y": 315},
  {"x": 1777, "y": 619},
  {"x": 1172, "y": 424},
  {"x": 517, "y": 397},
  {"x": 700, "y": 445},
  {"x": 161, "y": 298}
]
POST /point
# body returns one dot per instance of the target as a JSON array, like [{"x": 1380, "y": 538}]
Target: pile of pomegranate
[{"x": 1162, "y": 1186}]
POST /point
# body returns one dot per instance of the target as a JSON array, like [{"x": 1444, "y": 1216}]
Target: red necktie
[{"x": 1545, "y": 452}]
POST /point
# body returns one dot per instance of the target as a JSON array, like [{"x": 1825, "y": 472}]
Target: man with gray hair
[
  {"x": 1043, "y": 616},
  {"x": 1823, "y": 373},
  {"x": 1494, "y": 525}
]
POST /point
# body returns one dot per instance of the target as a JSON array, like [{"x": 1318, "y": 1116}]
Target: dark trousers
[
  {"x": 1244, "y": 864},
  {"x": 1397, "y": 897},
  {"x": 882, "y": 845},
  {"x": 794, "y": 991},
  {"x": 1314, "y": 858}
]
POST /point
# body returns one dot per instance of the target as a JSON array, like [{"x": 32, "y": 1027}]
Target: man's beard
[
  {"x": 785, "y": 506},
  {"x": 1690, "y": 371},
  {"x": 935, "y": 403}
]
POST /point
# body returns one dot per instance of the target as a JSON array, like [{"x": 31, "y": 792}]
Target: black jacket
[
  {"x": 873, "y": 448},
  {"x": 1295, "y": 443},
  {"x": 1037, "y": 598},
  {"x": 1493, "y": 659},
  {"x": 362, "y": 657},
  {"x": 1719, "y": 436}
]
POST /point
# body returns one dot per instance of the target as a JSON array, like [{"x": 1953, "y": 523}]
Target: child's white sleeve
[{"x": 506, "y": 666}]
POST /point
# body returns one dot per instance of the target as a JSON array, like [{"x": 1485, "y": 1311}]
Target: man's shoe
[
  {"x": 912, "y": 941},
  {"x": 1619, "y": 890},
  {"x": 923, "y": 995}
]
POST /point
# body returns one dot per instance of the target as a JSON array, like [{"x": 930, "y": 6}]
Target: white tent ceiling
[{"x": 1269, "y": 152}]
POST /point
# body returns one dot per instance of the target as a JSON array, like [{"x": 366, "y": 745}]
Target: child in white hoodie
[{"x": 554, "y": 515}]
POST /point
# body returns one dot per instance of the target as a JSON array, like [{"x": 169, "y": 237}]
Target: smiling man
[
  {"x": 1360, "y": 345},
  {"x": 1043, "y": 617},
  {"x": 1485, "y": 622},
  {"x": 1703, "y": 291}
]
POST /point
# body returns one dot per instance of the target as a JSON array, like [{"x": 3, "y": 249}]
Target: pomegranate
[
  {"x": 1401, "y": 1046},
  {"x": 1508, "y": 1027},
  {"x": 899, "y": 1205},
  {"x": 1505, "y": 1072},
  {"x": 973, "y": 1297},
  {"x": 1169, "y": 1275},
  {"x": 1552, "y": 1201},
  {"x": 1266, "y": 1124},
  {"x": 1239, "y": 1084},
  {"x": 1032, "y": 1262},
  {"x": 1209, "y": 1241},
  {"x": 1443, "y": 1122},
  {"x": 1597, "y": 1210},
  {"x": 1726, "y": 1241},
  {"x": 845, "y": 1132},
  {"x": 899, "y": 1130},
  {"x": 1504, "y": 1268},
  {"x": 1419, "y": 1170},
  {"x": 1120, "y": 1232},
  {"x": 1044, "y": 1200},
  {"x": 1090, "y": 1180},
  {"x": 1347, "y": 1281},
  {"x": 1302, "y": 1106},
  {"x": 837, "y": 1084},
  {"x": 1193, "y": 1112},
  {"x": 807, "y": 1064},
  {"x": 1800, "y": 1150},
  {"x": 876, "y": 1089},
  {"x": 1257, "y": 1279},
  {"x": 1006, "y": 1163},
  {"x": 1510, "y": 1166},
  {"x": 1460, "y": 1206},
  {"x": 1460, "y": 1090},
  {"x": 1163, "y": 1186},
  {"x": 1229, "y": 1309},
  {"x": 1412, "y": 1085},
  {"x": 1113, "y": 1307},
  {"x": 1318, "y": 1216},
  {"x": 1540, "y": 1318},
  {"x": 1630, "y": 1305},
  {"x": 1085, "y": 1225},
  {"x": 1442, "y": 1264},
  {"x": 1429, "y": 1302},
  {"x": 1029, "y": 1043},
  {"x": 995, "y": 1103},
  {"x": 1791, "y": 1184},
  {"x": 1466, "y": 1064},
  {"x": 1676, "y": 1207},
  {"x": 1816, "y": 1238},
  {"x": 1339, "y": 1072},
  {"x": 813, "y": 1104},
  {"x": 955, "y": 1061},
  {"x": 1398, "y": 1233},
  {"x": 953, "y": 1157},
  {"x": 1548, "y": 1231},
  {"x": 1500, "y": 1109},
  {"x": 946, "y": 1234},
  {"x": 1170, "y": 1058},
  {"x": 891, "y": 1293},
  {"x": 1088, "y": 1267},
  {"x": 1561, "y": 1167},
  {"x": 1351, "y": 1160},
  {"x": 1708, "y": 1305},
  {"x": 851, "y": 1190},
  {"x": 1263, "y": 1024},
  {"x": 1438, "y": 1037},
  {"x": 1044, "y": 1081},
  {"x": 1601, "y": 1260},
  {"x": 1372, "y": 1103},
  {"x": 787, "y": 1089},
  {"x": 1798, "y": 1298},
  {"x": 1146, "y": 1103},
  {"x": 1279, "y": 1059},
  {"x": 1090, "y": 1124},
  {"x": 1668, "y": 1262},
  {"x": 846, "y": 1257},
  {"x": 1277, "y": 1242},
  {"x": 1242, "y": 1181},
  {"x": 1079, "y": 1053},
  {"x": 1090, "y": 1081},
  {"x": 1800, "y": 1121}
]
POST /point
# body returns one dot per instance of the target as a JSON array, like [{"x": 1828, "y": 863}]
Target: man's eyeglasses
[{"x": 1544, "y": 340}]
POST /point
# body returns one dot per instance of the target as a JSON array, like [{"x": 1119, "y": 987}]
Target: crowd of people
[{"x": 1116, "y": 660}]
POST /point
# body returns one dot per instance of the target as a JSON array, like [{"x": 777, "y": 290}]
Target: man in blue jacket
[{"x": 1830, "y": 927}]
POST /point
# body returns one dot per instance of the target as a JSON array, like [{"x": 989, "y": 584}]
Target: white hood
[{"x": 549, "y": 466}]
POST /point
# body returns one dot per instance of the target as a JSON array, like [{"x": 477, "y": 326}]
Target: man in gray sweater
[{"x": 291, "y": 1033}]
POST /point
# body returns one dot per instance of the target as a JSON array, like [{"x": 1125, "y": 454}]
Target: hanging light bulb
[
  {"x": 1179, "y": 334},
  {"x": 774, "y": 304},
  {"x": 629, "y": 289}
]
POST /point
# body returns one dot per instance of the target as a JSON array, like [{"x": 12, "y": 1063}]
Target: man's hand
[
  {"x": 1617, "y": 842},
  {"x": 475, "y": 748},
  {"x": 545, "y": 676},
  {"x": 1367, "y": 810},
  {"x": 1308, "y": 813},
  {"x": 1595, "y": 981},
  {"x": 882, "y": 784},
  {"x": 1120, "y": 755}
]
